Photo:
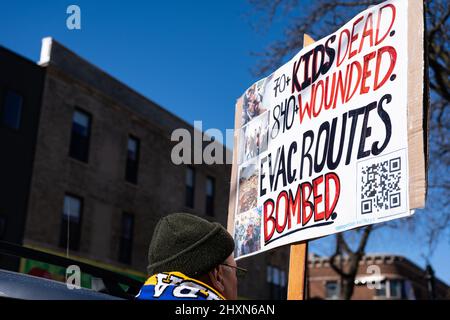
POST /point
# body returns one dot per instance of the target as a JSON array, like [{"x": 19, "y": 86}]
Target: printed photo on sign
[
  {"x": 247, "y": 232},
  {"x": 248, "y": 187},
  {"x": 253, "y": 104},
  {"x": 254, "y": 138}
]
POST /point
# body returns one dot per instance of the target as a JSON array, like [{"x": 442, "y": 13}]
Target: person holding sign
[{"x": 190, "y": 258}]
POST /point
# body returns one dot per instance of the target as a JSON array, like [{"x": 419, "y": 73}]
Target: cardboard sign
[{"x": 323, "y": 144}]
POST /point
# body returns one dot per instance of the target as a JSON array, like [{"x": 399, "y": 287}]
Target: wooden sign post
[{"x": 298, "y": 260}]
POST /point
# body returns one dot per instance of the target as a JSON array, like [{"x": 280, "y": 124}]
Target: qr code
[{"x": 381, "y": 185}]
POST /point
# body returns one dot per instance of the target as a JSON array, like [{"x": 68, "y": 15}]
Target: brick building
[
  {"x": 88, "y": 171},
  {"x": 398, "y": 278}
]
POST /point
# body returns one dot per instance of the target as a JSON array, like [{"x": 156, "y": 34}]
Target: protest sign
[{"x": 334, "y": 139}]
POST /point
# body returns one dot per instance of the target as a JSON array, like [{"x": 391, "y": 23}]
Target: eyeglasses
[{"x": 240, "y": 272}]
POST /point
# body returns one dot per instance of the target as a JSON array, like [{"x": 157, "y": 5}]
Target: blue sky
[{"x": 191, "y": 57}]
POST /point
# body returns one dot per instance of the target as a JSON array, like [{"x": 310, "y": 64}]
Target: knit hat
[{"x": 189, "y": 244}]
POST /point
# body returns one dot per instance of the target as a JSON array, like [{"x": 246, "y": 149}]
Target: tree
[{"x": 321, "y": 17}]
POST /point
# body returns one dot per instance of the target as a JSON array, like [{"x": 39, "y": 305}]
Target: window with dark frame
[
  {"x": 70, "y": 231},
  {"x": 190, "y": 187},
  {"x": 283, "y": 285},
  {"x": 81, "y": 131},
  {"x": 380, "y": 291},
  {"x": 332, "y": 290},
  {"x": 269, "y": 274},
  {"x": 276, "y": 278},
  {"x": 126, "y": 238},
  {"x": 276, "y": 281},
  {"x": 210, "y": 195},
  {"x": 391, "y": 289},
  {"x": 12, "y": 110},
  {"x": 131, "y": 174},
  {"x": 396, "y": 289}
]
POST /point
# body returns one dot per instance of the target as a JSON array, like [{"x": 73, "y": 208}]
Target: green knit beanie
[{"x": 189, "y": 244}]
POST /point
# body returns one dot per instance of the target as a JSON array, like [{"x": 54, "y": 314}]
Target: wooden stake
[
  {"x": 298, "y": 261},
  {"x": 297, "y": 271}
]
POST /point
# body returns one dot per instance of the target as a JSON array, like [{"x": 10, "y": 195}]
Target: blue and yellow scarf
[{"x": 176, "y": 286}]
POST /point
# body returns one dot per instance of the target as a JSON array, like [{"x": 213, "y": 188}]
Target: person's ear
[{"x": 216, "y": 278}]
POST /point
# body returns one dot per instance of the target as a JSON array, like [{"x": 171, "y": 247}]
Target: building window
[
  {"x": 269, "y": 274},
  {"x": 190, "y": 186},
  {"x": 71, "y": 222},
  {"x": 81, "y": 130},
  {"x": 283, "y": 285},
  {"x": 275, "y": 288},
  {"x": 126, "y": 238},
  {"x": 380, "y": 291},
  {"x": 395, "y": 289},
  {"x": 408, "y": 290},
  {"x": 132, "y": 159},
  {"x": 391, "y": 289},
  {"x": 332, "y": 290},
  {"x": 277, "y": 282},
  {"x": 12, "y": 110},
  {"x": 210, "y": 194}
]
